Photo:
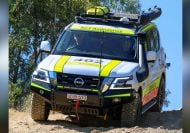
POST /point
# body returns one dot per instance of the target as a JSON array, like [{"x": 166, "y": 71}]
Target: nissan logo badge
[{"x": 79, "y": 82}]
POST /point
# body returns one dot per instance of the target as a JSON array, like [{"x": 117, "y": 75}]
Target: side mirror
[
  {"x": 168, "y": 65},
  {"x": 151, "y": 56},
  {"x": 45, "y": 46}
]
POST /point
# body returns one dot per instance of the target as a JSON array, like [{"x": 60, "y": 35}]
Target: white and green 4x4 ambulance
[{"x": 102, "y": 64}]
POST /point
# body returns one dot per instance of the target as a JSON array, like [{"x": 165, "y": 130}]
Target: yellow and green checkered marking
[{"x": 153, "y": 85}]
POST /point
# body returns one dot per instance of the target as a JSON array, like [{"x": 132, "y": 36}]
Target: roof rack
[
  {"x": 122, "y": 19},
  {"x": 150, "y": 15}
]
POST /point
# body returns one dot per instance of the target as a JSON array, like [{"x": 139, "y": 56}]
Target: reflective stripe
[
  {"x": 60, "y": 87},
  {"x": 40, "y": 87},
  {"x": 120, "y": 95},
  {"x": 149, "y": 96},
  {"x": 60, "y": 63},
  {"x": 109, "y": 67},
  {"x": 102, "y": 29},
  {"x": 149, "y": 27},
  {"x": 84, "y": 63},
  {"x": 153, "y": 85},
  {"x": 95, "y": 90}
]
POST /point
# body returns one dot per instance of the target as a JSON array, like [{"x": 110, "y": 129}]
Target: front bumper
[{"x": 95, "y": 104}]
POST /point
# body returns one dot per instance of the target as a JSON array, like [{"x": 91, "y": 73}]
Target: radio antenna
[{"x": 99, "y": 82}]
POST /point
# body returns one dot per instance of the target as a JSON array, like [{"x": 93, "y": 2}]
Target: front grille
[{"x": 67, "y": 81}]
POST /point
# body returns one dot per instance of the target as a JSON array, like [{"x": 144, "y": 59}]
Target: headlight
[
  {"x": 53, "y": 78},
  {"x": 41, "y": 75},
  {"x": 121, "y": 83},
  {"x": 106, "y": 84}
]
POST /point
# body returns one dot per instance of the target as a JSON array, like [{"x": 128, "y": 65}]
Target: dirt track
[{"x": 165, "y": 122}]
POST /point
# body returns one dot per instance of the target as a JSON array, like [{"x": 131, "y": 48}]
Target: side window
[
  {"x": 152, "y": 41},
  {"x": 149, "y": 41},
  {"x": 156, "y": 40}
]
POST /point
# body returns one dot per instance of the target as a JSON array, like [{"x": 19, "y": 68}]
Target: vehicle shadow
[
  {"x": 165, "y": 120},
  {"x": 171, "y": 120}
]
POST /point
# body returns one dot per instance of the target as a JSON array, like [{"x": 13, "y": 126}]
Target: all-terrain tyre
[
  {"x": 40, "y": 108},
  {"x": 160, "y": 97},
  {"x": 131, "y": 112}
]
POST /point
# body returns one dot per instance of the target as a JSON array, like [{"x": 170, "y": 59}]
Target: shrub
[{"x": 17, "y": 96}]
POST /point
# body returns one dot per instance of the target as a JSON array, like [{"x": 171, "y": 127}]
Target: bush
[
  {"x": 18, "y": 98},
  {"x": 166, "y": 101}
]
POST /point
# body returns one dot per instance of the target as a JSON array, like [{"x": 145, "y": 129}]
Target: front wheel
[
  {"x": 40, "y": 110},
  {"x": 131, "y": 112}
]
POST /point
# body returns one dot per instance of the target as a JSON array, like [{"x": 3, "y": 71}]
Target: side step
[{"x": 148, "y": 106}]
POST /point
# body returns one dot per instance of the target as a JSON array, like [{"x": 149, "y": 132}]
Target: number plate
[{"x": 77, "y": 97}]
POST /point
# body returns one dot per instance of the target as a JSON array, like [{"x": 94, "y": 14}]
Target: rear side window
[
  {"x": 156, "y": 40},
  {"x": 148, "y": 41},
  {"x": 152, "y": 41}
]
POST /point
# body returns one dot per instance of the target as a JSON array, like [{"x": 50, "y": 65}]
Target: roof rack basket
[{"x": 129, "y": 19}]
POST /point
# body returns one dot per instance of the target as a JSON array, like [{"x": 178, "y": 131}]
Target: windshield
[{"x": 97, "y": 44}]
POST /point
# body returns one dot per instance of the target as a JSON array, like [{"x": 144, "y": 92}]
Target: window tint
[
  {"x": 97, "y": 44},
  {"x": 148, "y": 42},
  {"x": 152, "y": 41},
  {"x": 156, "y": 40}
]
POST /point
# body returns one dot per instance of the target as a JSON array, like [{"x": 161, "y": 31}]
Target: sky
[{"x": 170, "y": 28}]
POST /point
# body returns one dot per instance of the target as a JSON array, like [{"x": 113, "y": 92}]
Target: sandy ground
[{"x": 165, "y": 122}]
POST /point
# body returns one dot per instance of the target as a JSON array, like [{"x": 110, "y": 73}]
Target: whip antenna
[{"x": 99, "y": 82}]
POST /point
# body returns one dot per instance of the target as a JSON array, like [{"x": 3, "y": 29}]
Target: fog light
[
  {"x": 41, "y": 92},
  {"x": 116, "y": 100}
]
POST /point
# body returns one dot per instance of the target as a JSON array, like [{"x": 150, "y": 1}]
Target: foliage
[
  {"x": 166, "y": 101},
  {"x": 16, "y": 96},
  {"x": 131, "y": 6}
]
